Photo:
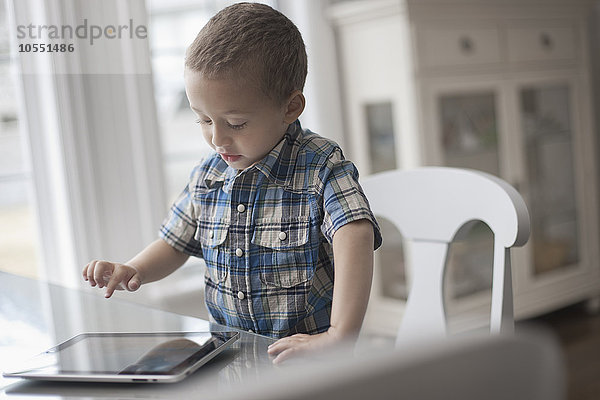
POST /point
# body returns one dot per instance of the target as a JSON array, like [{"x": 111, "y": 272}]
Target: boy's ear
[{"x": 294, "y": 106}]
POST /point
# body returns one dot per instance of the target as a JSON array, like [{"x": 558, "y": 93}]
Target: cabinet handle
[
  {"x": 546, "y": 41},
  {"x": 467, "y": 46}
]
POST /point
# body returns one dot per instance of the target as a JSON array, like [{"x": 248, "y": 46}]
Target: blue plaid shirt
[{"x": 266, "y": 233}]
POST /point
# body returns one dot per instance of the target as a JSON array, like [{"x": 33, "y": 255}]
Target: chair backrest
[{"x": 428, "y": 206}]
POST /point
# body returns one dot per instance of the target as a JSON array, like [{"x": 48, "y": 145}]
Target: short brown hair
[{"x": 255, "y": 41}]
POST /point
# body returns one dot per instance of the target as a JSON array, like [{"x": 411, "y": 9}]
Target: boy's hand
[
  {"x": 300, "y": 344},
  {"x": 114, "y": 276}
]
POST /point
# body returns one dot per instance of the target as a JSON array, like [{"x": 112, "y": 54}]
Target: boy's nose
[{"x": 219, "y": 137}]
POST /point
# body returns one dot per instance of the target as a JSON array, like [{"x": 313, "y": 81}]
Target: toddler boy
[{"x": 273, "y": 207}]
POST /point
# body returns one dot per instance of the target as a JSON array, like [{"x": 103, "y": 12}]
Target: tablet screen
[{"x": 130, "y": 353}]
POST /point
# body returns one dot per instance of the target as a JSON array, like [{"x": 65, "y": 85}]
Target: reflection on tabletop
[{"x": 163, "y": 357}]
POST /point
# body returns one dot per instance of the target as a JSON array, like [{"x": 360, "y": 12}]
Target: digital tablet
[{"x": 126, "y": 357}]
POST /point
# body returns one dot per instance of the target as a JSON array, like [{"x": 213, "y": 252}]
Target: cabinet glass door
[
  {"x": 469, "y": 139},
  {"x": 380, "y": 128},
  {"x": 547, "y": 129},
  {"x": 469, "y": 131}
]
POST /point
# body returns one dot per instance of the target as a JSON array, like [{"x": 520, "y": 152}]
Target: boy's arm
[
  {"x": 353, "y": 260},
  {"x": 156, "y": 261}
]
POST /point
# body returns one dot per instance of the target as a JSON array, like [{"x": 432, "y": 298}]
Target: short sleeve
[
  {"x": 343, "y": 198},
  {"x": 179, "y": 227}
]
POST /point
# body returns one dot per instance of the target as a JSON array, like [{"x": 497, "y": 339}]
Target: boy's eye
[
  {"x": 238, "y": 126},
  {"x": 204, "y": 121}
]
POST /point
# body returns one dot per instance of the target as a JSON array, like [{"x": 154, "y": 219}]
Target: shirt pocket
[
  {"x": 212, "y": 236},
  {"x": 286, "y": 255}
]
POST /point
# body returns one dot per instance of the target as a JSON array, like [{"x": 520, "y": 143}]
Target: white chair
[{"x": 428, "y": 206}]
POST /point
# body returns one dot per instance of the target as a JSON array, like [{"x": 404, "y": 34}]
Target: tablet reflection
[{"x": 170, "y": 357}]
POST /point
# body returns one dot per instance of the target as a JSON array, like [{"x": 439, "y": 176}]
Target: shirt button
[
  {"x": 241, "y": 295},
  {"x": 239, "y": 252},
  {"x": 241, "y": 208},
  {"x": 282, "y": 235}
]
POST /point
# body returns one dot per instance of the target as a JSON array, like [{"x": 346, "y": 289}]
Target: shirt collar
[
  {"x": 277, "y": 165},
  {"x": 217, "y": 173}
]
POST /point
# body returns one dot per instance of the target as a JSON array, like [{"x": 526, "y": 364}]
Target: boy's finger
[
  {"x": 84, "y": 272},
  {"x": 90, "y": 272},
  {"x": 134, "y": 283},
  {"x": 278, "y": 347},
  {"x": 115, "y": 280},
  {"x": 100, "y": 269},
  {"x": 284, "y": 355},
  {"x": 287, "y": 342}
]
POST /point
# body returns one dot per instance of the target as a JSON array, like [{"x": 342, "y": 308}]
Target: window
[
  {"x": 173, "y": 26},
  {"x": 18, "y": 232}
]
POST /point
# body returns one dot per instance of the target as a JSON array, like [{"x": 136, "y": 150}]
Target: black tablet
[{"x": 152, "y": 357}]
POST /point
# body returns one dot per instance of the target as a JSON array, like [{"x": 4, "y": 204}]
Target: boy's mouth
[{"x": 230, "y": 157}]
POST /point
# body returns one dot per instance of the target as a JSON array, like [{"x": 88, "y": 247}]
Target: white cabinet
[
  {"x": 449, "y": 45},
  {"x": 544, "y": 42},
  {"x": 490, "y": 85}
]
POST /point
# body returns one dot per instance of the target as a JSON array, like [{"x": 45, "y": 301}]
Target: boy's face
[{"x": 238, "y": 121}]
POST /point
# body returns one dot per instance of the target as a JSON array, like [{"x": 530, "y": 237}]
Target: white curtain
[{"x": 90, "y": 118}]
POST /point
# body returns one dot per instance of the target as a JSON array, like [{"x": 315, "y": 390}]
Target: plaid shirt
[{"x": 266, "y": 233}]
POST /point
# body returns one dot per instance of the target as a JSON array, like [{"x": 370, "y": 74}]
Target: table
[{"x": 36, "y": 315}]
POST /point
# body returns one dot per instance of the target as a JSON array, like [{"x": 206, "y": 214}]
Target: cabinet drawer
[
  {"x": 455, "y": 46},
  {"x": 542, "y": 43}
]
